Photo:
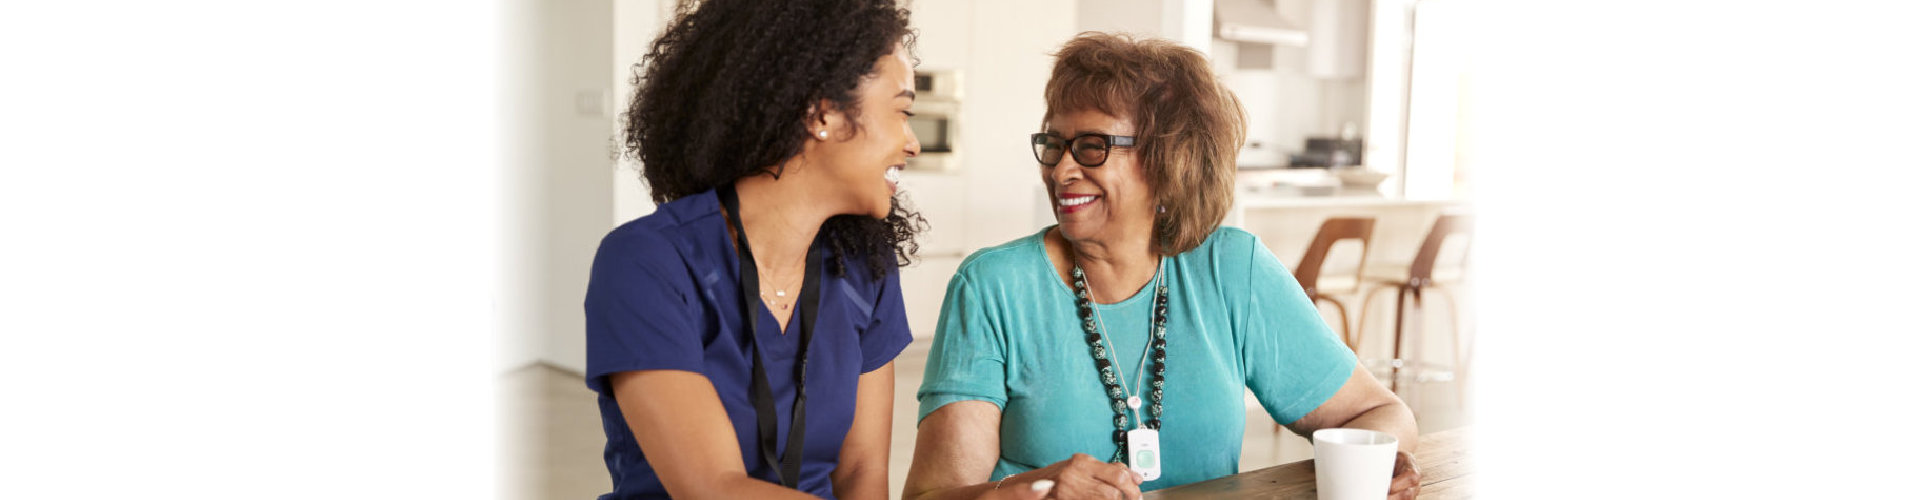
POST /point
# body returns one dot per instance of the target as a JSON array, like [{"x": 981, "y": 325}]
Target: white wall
[
  {"x": 560, "y": 189},
  {"x": 518, "y": 303},
  {"x": 635, "y": 24},
  {"x": 1189, "y": 22},
  {"x": 1139, "y": 17}
]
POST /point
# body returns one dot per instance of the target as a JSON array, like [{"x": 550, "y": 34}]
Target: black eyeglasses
[{"x": 1088, "y": 149}]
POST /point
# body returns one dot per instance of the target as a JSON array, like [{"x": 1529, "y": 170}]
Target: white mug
[{"x": 1353, "y": 464}]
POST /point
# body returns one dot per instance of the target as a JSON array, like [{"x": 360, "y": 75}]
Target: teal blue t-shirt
[{"x": 1009, "y": 335}]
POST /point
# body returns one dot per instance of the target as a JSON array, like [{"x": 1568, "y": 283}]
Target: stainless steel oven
[{"x": 936, "y": 120}]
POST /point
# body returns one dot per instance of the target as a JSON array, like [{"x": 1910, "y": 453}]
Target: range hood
[{"x": 1254, "y": 21}]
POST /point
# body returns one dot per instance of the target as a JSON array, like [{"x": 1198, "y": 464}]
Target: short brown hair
[{"x": 1190, "y": 127}]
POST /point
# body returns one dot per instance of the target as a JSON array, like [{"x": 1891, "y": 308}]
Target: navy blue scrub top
[{"x": 665, "y": 295}]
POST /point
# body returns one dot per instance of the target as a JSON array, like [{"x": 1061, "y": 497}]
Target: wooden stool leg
[
  {"x": 1459, "y": 339},
  {"x": 1360, "y": 326},
  {"x": 1399, "y": 321},
  {"x": 1416, "y": 335},
  {"x": 1408, "y": 326},
  {"x": 1346, "y": 330}
]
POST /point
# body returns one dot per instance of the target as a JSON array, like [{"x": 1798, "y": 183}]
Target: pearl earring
[
  {"x": 1163, "y": 209},
  {"x": 823, "y": 135}
]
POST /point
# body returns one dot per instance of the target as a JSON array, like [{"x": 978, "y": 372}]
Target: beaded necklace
[{"x": 1122, "y": 398}]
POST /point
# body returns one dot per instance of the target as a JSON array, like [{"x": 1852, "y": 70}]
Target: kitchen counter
[
  {"x": 1254, "y": 201},
  {"x": 1258, "y": 203}
]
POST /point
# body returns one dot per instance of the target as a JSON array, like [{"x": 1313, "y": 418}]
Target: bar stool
[
  {"x": 1334, "y": 230},
  {"x": 1419, "y": 280}
]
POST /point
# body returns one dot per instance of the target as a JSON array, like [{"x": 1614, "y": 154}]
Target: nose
[
  {"x": 1064, "y": 172},
  {"x": 913, "y": 143}
]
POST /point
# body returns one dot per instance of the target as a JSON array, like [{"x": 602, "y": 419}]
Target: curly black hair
[{"x": 725, "y": 92}]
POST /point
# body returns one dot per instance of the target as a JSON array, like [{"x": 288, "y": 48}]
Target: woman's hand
[
  {"x": 1406, "y": 478},
  {"x": 1363, "y": 403},
  {"x": 1037, "y": 489},
  {"x": 1081, "y": 477}
]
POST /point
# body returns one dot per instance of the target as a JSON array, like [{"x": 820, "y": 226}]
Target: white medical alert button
[{"x": 1143, "y": 452}]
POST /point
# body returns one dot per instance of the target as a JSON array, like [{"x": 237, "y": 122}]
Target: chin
[
  {"x": 882, "y": 210},
  {"x": 1074, "y": 231}
]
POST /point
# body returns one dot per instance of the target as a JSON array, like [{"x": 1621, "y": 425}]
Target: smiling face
[
  {"x": 861, "y": 164},
  {"x": 1111, "y": 203}
]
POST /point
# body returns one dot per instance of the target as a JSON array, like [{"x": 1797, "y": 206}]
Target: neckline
[
  {"x": 1145, "y": 293},
  {"x": 718, "y": 211}
]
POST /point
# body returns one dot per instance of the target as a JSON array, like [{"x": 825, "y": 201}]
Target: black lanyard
[{"x": 788, "y": 465}]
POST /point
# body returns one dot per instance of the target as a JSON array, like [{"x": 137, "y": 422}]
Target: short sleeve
[
  {"x": 639, "y": 315},
  {"x": 887, "y": 334},
  {"x": 968, "y": 359},
  {"x": 1293, "y": 361}
]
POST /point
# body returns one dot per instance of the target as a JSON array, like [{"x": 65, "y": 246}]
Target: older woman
[
  {"x": 1137, "y": 320},
  {"x": 741, "y": 337}
]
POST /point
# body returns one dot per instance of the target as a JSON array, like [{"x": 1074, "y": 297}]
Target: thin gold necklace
[{"x": 780, "y": 293}]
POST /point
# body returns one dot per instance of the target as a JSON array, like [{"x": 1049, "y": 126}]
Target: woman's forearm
[
  {"x": 1393, "y": 418},
  {"x": 856, "y": 482},
  {"x": 953, "y": 493},
  {"x": 738, "y": 486},
  {"x": 862, "y": 470},
  {"x": 956, "y": 445}
]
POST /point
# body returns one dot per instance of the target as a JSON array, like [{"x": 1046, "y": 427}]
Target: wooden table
[{"x": 1446, "y": 473}]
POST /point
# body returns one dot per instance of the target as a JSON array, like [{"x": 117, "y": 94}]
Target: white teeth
[
  {"x": 893, "y": 175},
  {"x": 1076, "y": 201}
]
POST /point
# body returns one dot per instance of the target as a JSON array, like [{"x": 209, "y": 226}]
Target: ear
[{"x": 824, "y": 115}]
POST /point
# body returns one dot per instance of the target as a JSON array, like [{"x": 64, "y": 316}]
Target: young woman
[{"x": 741, "y": 337}]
